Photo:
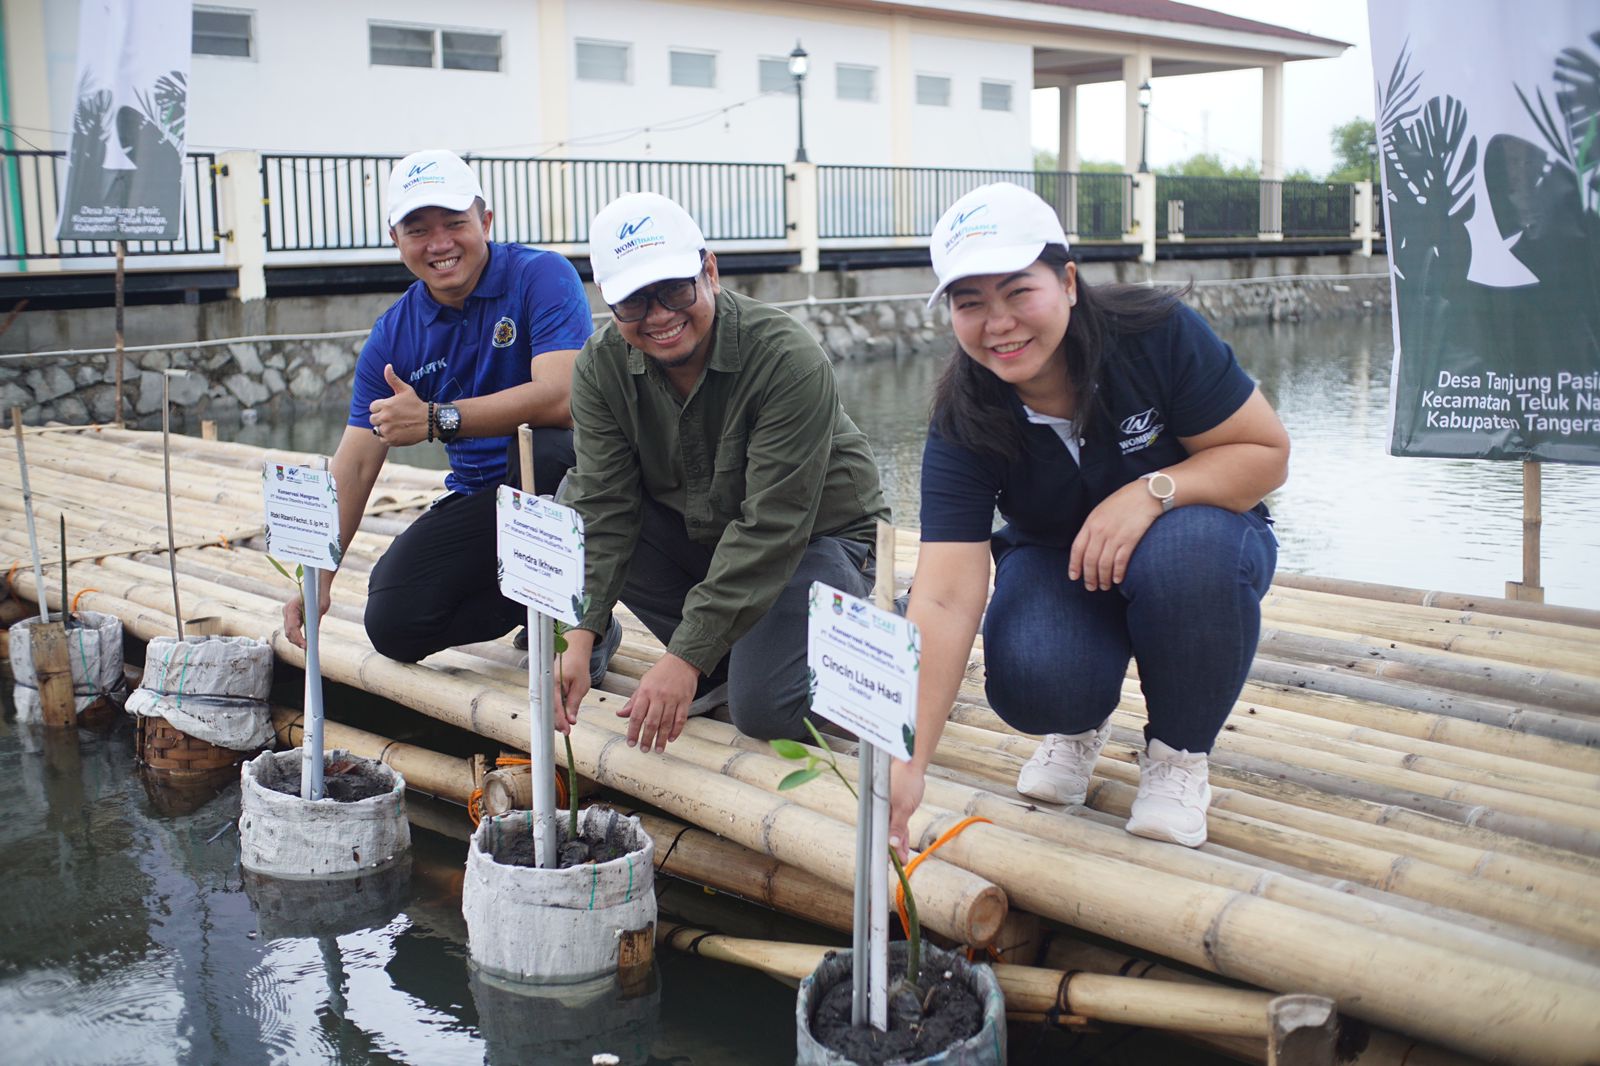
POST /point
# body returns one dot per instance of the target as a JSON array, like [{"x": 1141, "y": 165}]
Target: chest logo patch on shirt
[
  {"x": 505, "y": 333},
  {"x": 1139, "y": 431}
]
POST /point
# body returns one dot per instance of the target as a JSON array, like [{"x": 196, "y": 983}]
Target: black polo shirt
[{"x": 1178, "y": 379}]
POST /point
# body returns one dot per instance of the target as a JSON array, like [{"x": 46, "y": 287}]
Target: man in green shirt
[{"x": 717, "y": 477}]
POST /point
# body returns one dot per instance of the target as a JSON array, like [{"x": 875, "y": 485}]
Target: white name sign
[
  {"x": 302, "y": 509},
  {"x": 864, "y": 664},
  {"x": 539, "y": 552}
]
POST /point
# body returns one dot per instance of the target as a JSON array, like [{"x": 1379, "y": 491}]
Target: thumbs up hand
[{"x": 400, "y": 419}]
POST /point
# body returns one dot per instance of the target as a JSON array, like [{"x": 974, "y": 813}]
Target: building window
[
  {"x": 222, "y": 33},
  {"x": 775, "y": 76},
  {"x": 697, "y": 70},
  {"x": 469, "y": 51},
  {"x": 600, "y": 61},
  {"x": 933, "y": 90},
  {"x": 996, "y": 96},
  {"x": 856, "y": 83},
  {"x": 419, "y": 46}
]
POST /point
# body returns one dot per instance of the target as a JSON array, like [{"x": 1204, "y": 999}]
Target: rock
[
  {"x": 14, "y": 395},
  {"x": 88, "y": 375},
  {"x": 273, "y": 381},
  {"x": 335, "y": 361},
  {"x": 838, "y": 341},
  {"x": 149, "y": 398},
  {"x": 887, "y": 319},
  {"x": 826, "y": 317},
  {"x": 72, "y": 411},
  {"x": 244, "y": 355},
  {"x": 275, "y": 359},
  {"x": 857, "y": 331},
  {"x": 187, "y": 389},
  {"x": 305, "y": 383},
  {"x": 248, "y": 391},
  {"x": 878, "y": 347},
  {"x": 102, "y": 401},
  {"x": 49, "y": 382}
]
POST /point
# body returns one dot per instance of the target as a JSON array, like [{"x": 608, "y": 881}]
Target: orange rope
[
  {"x": 81, "y": 594},
  {"x": 11, "y": 574},
  {"x": 475, "y": 800},
  {"x": 944, "y": 838}
]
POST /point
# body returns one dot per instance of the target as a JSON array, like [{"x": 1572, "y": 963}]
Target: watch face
[{"x": 449, "y": 418}]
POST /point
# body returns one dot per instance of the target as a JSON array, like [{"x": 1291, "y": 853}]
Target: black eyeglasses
[{"x": 677, "y": 294}]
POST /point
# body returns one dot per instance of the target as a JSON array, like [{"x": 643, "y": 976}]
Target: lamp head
[
  {"x": 1144, "y": 96},
  {"x": 799, "y": 62}
]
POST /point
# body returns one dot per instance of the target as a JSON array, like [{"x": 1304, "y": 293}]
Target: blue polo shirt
[
  {"x": 526, "y": 303},
  {"x": 1178, "y": 379}
]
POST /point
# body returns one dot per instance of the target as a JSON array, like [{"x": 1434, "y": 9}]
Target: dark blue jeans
[{"x": 1188, "y": 610}]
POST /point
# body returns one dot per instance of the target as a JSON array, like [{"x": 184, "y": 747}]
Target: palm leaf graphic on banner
[{"x": 1430, "y": 165}]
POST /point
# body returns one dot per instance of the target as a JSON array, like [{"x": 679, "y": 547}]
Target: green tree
[
  {"x": 1352, "y": 160},
  {"x": 1046, "y": 161},
  {"x": 1210, "y": 165}
]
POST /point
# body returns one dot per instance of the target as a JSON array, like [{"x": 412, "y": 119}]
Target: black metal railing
[
  {"x": 1318, "y": 209},
  {"x": 861, "y": 202},
  {"x": 328, "y": 202},
  {"x": 1211, "y": 207},
  {"x": 31, "y": 184}
]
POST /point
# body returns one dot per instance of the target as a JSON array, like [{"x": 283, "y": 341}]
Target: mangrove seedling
[
  {"x": 816, "y": 765},
  {"x": 559, "y": 643}
]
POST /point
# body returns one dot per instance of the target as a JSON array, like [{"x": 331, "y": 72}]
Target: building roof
[{"x": 1170, "y": 11}]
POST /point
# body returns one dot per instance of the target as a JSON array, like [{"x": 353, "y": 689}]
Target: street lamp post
[
  {"x": 799, "y": 63},
  {"x": 1144, "y": 128}
]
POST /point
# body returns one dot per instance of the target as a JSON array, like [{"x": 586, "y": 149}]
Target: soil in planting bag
[
  {"x": 964, "y": 1023},
  {"x": 570, "y": 1023},
  {"x": 556, "y": 926},
  {"x": 94, "y": 649},
  {"x": 211, "y": 688},
  {"x": 282, "y": 835}
]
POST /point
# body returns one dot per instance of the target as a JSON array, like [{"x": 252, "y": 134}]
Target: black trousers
[
  {"x": 768, "y": 690},
  {"x": 435, "y": 587}
]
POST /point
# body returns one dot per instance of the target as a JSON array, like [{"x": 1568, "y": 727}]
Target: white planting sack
[
  {"x": 94, "y": 650},
  {"x": 555, "y": 926},
  {"x": 211, "y": 688},
  {"x": 286, "y": 836}
]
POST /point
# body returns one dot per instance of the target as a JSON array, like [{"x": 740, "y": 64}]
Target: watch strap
[{"x": 430, "y": 422}]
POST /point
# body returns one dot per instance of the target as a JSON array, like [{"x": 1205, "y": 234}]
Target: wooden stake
[
  {"x": 52, "y": 667},
  {"x": 122, "y": 253},
  {"x": 166, "y": 450},
  {"x": 208, "y": 429},
  {"x": 1532, "y": 519},
  {"x": 27, "y": 507}
]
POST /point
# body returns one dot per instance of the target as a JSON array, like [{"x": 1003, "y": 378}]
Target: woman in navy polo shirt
[{"x": 1128, "y": 454}]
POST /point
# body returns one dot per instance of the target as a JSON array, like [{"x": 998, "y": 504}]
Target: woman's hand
[
  {"x": 1102, "y": 548},
  {"x": 906, "y": 782}
]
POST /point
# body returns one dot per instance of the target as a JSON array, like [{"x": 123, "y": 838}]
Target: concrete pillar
[
  {"x": 1272, "y": 120},
  {"x": 1135, "y": 72},
  {"x": 1067, "y": 153},
  {"x": 902, "y": 79},
  {"x": 805, "y": 213},
  {"x": 555, "y": 59},
  {"x": 1365, "y": 206},
  {"x": 240, "y": 221},
  {"x": 1144, "y": 217}
]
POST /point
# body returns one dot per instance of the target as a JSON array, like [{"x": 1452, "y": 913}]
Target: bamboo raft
[{"x": 1407, "y": 797}]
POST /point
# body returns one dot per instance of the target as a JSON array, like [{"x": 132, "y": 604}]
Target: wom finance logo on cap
[
  {"x": 635, "y": 237},
  {"x": 418, "y": 175},
  {"x": 962, "y": 228}
]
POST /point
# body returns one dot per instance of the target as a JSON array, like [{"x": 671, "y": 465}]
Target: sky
[{"x": 1221, "y": 113}]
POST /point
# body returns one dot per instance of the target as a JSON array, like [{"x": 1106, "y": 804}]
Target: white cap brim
[
  {"x": 1007, "y": 260},
  {"x": 449, "y": 201},
  {"x": 659, "y": 267}
]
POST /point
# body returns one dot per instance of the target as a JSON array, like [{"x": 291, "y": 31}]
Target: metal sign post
[{"x": 541, "y": 701}]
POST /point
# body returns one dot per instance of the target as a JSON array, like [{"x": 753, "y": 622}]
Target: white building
[{"x": 926, "y": 83}]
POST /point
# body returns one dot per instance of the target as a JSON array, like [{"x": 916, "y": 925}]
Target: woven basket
[{"x": 177, "y": 756}]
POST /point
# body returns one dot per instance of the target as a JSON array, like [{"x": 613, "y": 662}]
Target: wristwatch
[
  {"x": 1162, "y": 487},
  {"x": 448, "y": 418}
]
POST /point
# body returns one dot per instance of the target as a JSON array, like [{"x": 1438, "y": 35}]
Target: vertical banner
[
  {"x": 1489, "y": 126},
  {"x": 125, "y": 163}
]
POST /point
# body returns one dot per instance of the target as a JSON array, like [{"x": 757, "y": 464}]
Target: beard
[{"x": 671, "y": 364}]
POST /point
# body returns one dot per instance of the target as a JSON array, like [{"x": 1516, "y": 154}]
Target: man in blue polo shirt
[{"x": 483, "y": 341}]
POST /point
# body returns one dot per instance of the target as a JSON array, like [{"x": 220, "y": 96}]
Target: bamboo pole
[
  {"x": 122, "y": 255},
  {"x": 1450, "y": 601},
  {"x": 1532, "y": 519},
  {"x": 444, "y": 776}
]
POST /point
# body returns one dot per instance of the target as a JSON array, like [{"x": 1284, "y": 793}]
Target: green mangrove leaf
[
  {"x": 790, "y": 749},
  {"x": 798, "y": 778}
]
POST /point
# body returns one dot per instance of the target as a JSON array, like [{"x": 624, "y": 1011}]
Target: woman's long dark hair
[{"x": 973, "y": 408}]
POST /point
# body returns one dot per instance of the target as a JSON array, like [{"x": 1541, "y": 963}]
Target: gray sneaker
[{"x": 600, "y": 658}]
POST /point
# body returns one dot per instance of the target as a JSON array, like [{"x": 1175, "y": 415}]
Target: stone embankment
[{"x": 271, "y": 377}]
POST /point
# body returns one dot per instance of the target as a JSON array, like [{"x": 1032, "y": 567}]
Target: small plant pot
[
  {"x": 94, "y": 652},
  {"x": 282, "y": 835},
  {"x": 559, "y": 926},
  {"x": 947, "y": 1039}
]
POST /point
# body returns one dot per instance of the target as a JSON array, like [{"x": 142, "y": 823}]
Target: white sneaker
[
  {"x": 1174, "y": 792},
  {"x": 1059, "y": 770}
]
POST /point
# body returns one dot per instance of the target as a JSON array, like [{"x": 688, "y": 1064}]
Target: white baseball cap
[
  {"x": 435, "y": 177},
  {"x": 641, "y": 238},
  {"x": 994, "y": 229}
]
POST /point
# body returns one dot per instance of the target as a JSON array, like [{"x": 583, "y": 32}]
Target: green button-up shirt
[{"x": 759, "y": 459}]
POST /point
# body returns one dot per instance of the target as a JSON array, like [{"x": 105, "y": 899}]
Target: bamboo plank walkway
[{"x": 1407, "y": 797}]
